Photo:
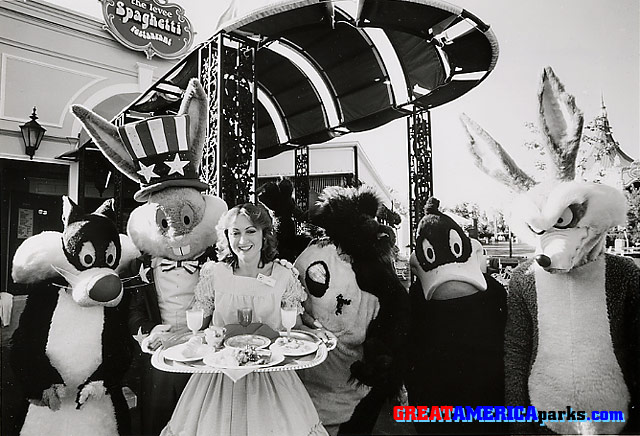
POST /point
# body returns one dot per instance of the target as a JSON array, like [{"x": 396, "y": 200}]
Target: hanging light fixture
[{"x": 32, "y": 134}]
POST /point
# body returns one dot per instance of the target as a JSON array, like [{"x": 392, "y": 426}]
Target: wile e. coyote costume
[
  {"x": 174, "y": 228},
  {"x": 72, "y": 347},
  {"x": 573, "y": 328}
]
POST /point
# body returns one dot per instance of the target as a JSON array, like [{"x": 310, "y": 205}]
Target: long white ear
[
  {"x": 492, "y": 159},
  {"x": 195, "y": 105},
  {"x": 561, "y": 124},
  {"x": 106, "y": 137}
]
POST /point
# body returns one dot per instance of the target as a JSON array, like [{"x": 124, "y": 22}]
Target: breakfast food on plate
[
  {"x": 243, "y": 341},
  {"x": 193, "y": 347},
  {"x": 290, "y": 344},
  {"x": 250, "y": 356}
]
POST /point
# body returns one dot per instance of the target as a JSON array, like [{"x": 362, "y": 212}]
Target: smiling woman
[
  {"x": 246, "y": 230},
  {"x": 246, "y": 278}
]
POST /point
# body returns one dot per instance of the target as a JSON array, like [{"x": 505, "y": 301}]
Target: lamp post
[{"x": 32, "y": 134}]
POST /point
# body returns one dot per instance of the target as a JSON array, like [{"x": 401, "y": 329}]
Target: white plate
[
  {"x": 223, "y": 360},
  {"x": 176, "y": 353},
  {"x": 298, "y": 346},
  {"x": 241, "y": 341},
  {"x": 330, "y": 343}
]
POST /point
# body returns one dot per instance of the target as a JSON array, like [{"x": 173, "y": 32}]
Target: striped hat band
[
  {"x": 159, "y": 146},
  {"x": 156, "y": 135}
]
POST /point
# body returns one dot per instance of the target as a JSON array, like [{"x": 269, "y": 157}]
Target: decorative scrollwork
[
  {"x": 209, "y": 81},
  {"x": 227, "y": 74},
  {"x": 301, "y": 181},
  {"x": 420, "y": 167},
  {"x": 237, "y": 121}
]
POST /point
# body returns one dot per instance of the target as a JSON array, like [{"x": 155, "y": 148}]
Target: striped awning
[{"x": 325, "y": 68}]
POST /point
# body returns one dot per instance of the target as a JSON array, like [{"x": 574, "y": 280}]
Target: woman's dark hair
[{"x": 258, "y": 216}]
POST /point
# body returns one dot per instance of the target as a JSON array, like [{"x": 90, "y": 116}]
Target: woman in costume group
[
  {"x": 260, "y": 403},
  {"x": 343, "y": 284}
]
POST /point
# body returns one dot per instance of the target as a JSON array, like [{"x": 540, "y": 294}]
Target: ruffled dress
[{"x": 265, "y": 403}]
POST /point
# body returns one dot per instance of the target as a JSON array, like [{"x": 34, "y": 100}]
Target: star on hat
[
  {"x": 176, "y": 165},
  {"x": 147, "y": 171}
]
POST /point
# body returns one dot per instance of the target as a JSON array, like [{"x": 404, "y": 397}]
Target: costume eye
[
  {"x": 111, "y": 254},
  {"x": 455, "y": 243},
  {"x": 161, "y": 219},
  {"x": 87, "y": 255},
  {"x": 317, "y": 279},
  {"x": 186, "y": 215},
  {"x": 565, "y": 220},
  {"x": 429, "y": 252}
]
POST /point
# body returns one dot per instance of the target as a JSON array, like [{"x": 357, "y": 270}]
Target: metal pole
[{"x": 510, "y": 244}]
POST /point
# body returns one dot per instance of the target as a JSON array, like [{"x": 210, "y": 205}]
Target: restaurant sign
[{"x": 153, "y": 26}]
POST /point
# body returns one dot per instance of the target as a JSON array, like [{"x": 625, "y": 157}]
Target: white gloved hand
[{"x": 94, "y": 389}]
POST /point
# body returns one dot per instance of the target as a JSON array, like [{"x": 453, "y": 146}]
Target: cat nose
[{"x": 106, "y": 288}]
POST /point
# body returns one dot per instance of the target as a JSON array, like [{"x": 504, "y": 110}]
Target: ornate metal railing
[{"x": 420, "y": 167}]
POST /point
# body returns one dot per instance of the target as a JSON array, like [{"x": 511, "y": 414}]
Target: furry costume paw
[
  {"x": 91, "y": 390},
  {"x": 52, "y": 397}
]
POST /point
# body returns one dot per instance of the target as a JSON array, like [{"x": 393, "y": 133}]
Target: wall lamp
[{"x": 32, "y": 134}]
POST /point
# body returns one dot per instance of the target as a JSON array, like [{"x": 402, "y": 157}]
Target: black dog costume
[{"x": 355, "y": 293}]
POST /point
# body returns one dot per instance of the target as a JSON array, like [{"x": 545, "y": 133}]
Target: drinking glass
[
  {"x": 245, "y": 316},
  {"x": 288, "y": 317},
  {"x": 194, "y": 319}
]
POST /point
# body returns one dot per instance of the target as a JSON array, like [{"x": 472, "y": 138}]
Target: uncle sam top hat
[{"x": 157, "y": 152}]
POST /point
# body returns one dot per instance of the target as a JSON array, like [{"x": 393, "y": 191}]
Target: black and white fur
[{"x": 71, "y": 348}]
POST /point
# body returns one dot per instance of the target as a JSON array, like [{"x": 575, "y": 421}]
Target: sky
[{"x": 592, "y": 45}]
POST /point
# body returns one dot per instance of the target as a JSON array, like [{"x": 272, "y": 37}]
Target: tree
[
  {"x": 471, "y": 211},
  {"x": 534, "y": 144},
  {"x": 633, "y": 216},
  {"x": 396, "y": 205}
]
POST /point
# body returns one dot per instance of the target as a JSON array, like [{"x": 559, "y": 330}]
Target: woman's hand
[
  {"x": 314, "y": 326},
  {"x": 154, "y": 340}
]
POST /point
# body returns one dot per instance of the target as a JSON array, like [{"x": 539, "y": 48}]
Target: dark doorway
[{"x": 31, "y": 197}]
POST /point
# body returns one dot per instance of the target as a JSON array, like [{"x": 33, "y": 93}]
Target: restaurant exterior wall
[{"x": 51, "y": 58}]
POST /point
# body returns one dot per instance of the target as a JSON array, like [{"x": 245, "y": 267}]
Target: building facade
[
  {"x": 342, "y": 163},
  {"x": 51, "y": 58}
]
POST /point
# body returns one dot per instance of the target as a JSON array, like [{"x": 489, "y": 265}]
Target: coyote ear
[
  {"x": 492, "y": 159},
  {"x": 561, "y": 124},
  {"x": 195, "y": 105},
  {"x": 106, "y": 137}
]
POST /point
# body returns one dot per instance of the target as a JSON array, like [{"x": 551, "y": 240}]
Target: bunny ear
[
  {"x": 195, "y": 105},
  {"x": 561, "y": 123},
  {"x": 106, "y": 137},
  {"x": 492, "y": 159}
]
